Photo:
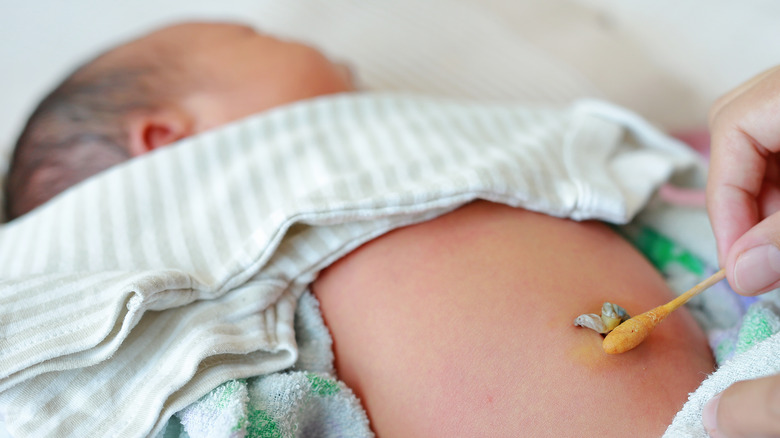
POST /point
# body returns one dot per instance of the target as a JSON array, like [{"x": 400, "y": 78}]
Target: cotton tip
[{"x": 633, "y": 332}]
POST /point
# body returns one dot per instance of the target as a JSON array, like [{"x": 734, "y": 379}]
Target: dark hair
[{"x": 78, "y": 130}]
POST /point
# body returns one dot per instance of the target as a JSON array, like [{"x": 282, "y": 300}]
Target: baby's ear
[{"x": 149, "y": 130}]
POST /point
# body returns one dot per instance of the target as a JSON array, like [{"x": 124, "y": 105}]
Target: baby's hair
[{"x": 78, "y": 129}]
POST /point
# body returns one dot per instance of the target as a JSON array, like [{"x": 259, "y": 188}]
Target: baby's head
[{"x": 168, "y": 85}]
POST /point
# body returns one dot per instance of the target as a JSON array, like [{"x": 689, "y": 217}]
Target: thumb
[
  {"x": 753, "y": 262},
  {"x": 745, "y": 409}
]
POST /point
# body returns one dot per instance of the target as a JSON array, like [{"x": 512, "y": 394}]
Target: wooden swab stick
[{"x": 633, "y": 332}]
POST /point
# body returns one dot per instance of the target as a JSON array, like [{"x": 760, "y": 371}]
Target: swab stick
[{"x": 634, "y": 331}]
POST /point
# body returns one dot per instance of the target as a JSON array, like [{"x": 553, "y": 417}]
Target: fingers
[
  {"x": 745, "y": 136},
  {"x": 753, "y": 262},
  {"x": 735, "y": 178},
  {"x": 748, "y": 408},
  {"x": 727, "y": 98}
]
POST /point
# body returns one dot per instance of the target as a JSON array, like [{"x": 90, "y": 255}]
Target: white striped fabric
[{"x": 133, "y": 294}]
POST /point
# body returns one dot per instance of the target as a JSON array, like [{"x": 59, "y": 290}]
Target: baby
[
  {"x": 171, "y": 84},
  {"x": 458, "y": 326}
]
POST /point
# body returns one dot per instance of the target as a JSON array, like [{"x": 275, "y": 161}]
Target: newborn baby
[
  {"x": 458, "y": 326},
  {"x": 171, "y": 84}
]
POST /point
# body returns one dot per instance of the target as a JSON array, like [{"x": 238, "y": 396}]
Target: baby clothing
[{"x": 133, "y": 295}]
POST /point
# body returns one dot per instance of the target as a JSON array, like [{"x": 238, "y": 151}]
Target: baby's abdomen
[{"x": 462, "y": 326}]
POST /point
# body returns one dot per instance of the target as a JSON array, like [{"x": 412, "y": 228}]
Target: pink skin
[
  {"x": 462, "y": 326},
  {"x": 225, "y": 72},
  {"x": 250, "y": 72}
]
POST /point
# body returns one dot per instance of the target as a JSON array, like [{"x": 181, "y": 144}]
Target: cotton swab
[{"x": 634, "y": 331}]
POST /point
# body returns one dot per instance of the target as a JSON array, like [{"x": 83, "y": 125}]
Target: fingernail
[
  {"x": 709, "y": 416},
  {"x": 757, "y": 269}
]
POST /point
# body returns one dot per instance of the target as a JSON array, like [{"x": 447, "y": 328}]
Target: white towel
[
  {"x": 756, "y": 345},
  {"x": 135, "y": 293}
]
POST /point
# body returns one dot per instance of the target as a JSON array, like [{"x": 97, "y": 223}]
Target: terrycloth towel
[
  {"x": 747, "y": 349},
  {"x": 134, "y": 294},
  {"x": 745, "y": 338},
  {"x": 277, "y": 405}
]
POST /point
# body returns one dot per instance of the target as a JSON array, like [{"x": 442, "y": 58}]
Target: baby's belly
[{"x": 462, "y": 326}]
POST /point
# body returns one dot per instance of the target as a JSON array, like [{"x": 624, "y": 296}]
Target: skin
[
  {"x": 256, "y": 72},
  {"x": 460, "y": 326},
  {"x": 224, "y": 72},
  {"x": 743, "y": 200}
]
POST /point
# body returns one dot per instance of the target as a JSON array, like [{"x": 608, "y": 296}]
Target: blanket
[{"x": 134, "y": 294}]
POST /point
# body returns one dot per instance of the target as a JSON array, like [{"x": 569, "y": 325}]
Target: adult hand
[
  {"x": 743, "y": 201},
  {"x": 743, "y": 190}
]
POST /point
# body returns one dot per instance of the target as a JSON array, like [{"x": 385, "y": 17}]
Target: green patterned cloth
[
  {"x": 733, "y": 323},
  {"x": 279, "y": 405},
  {"x": 306, "y": 401}
]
